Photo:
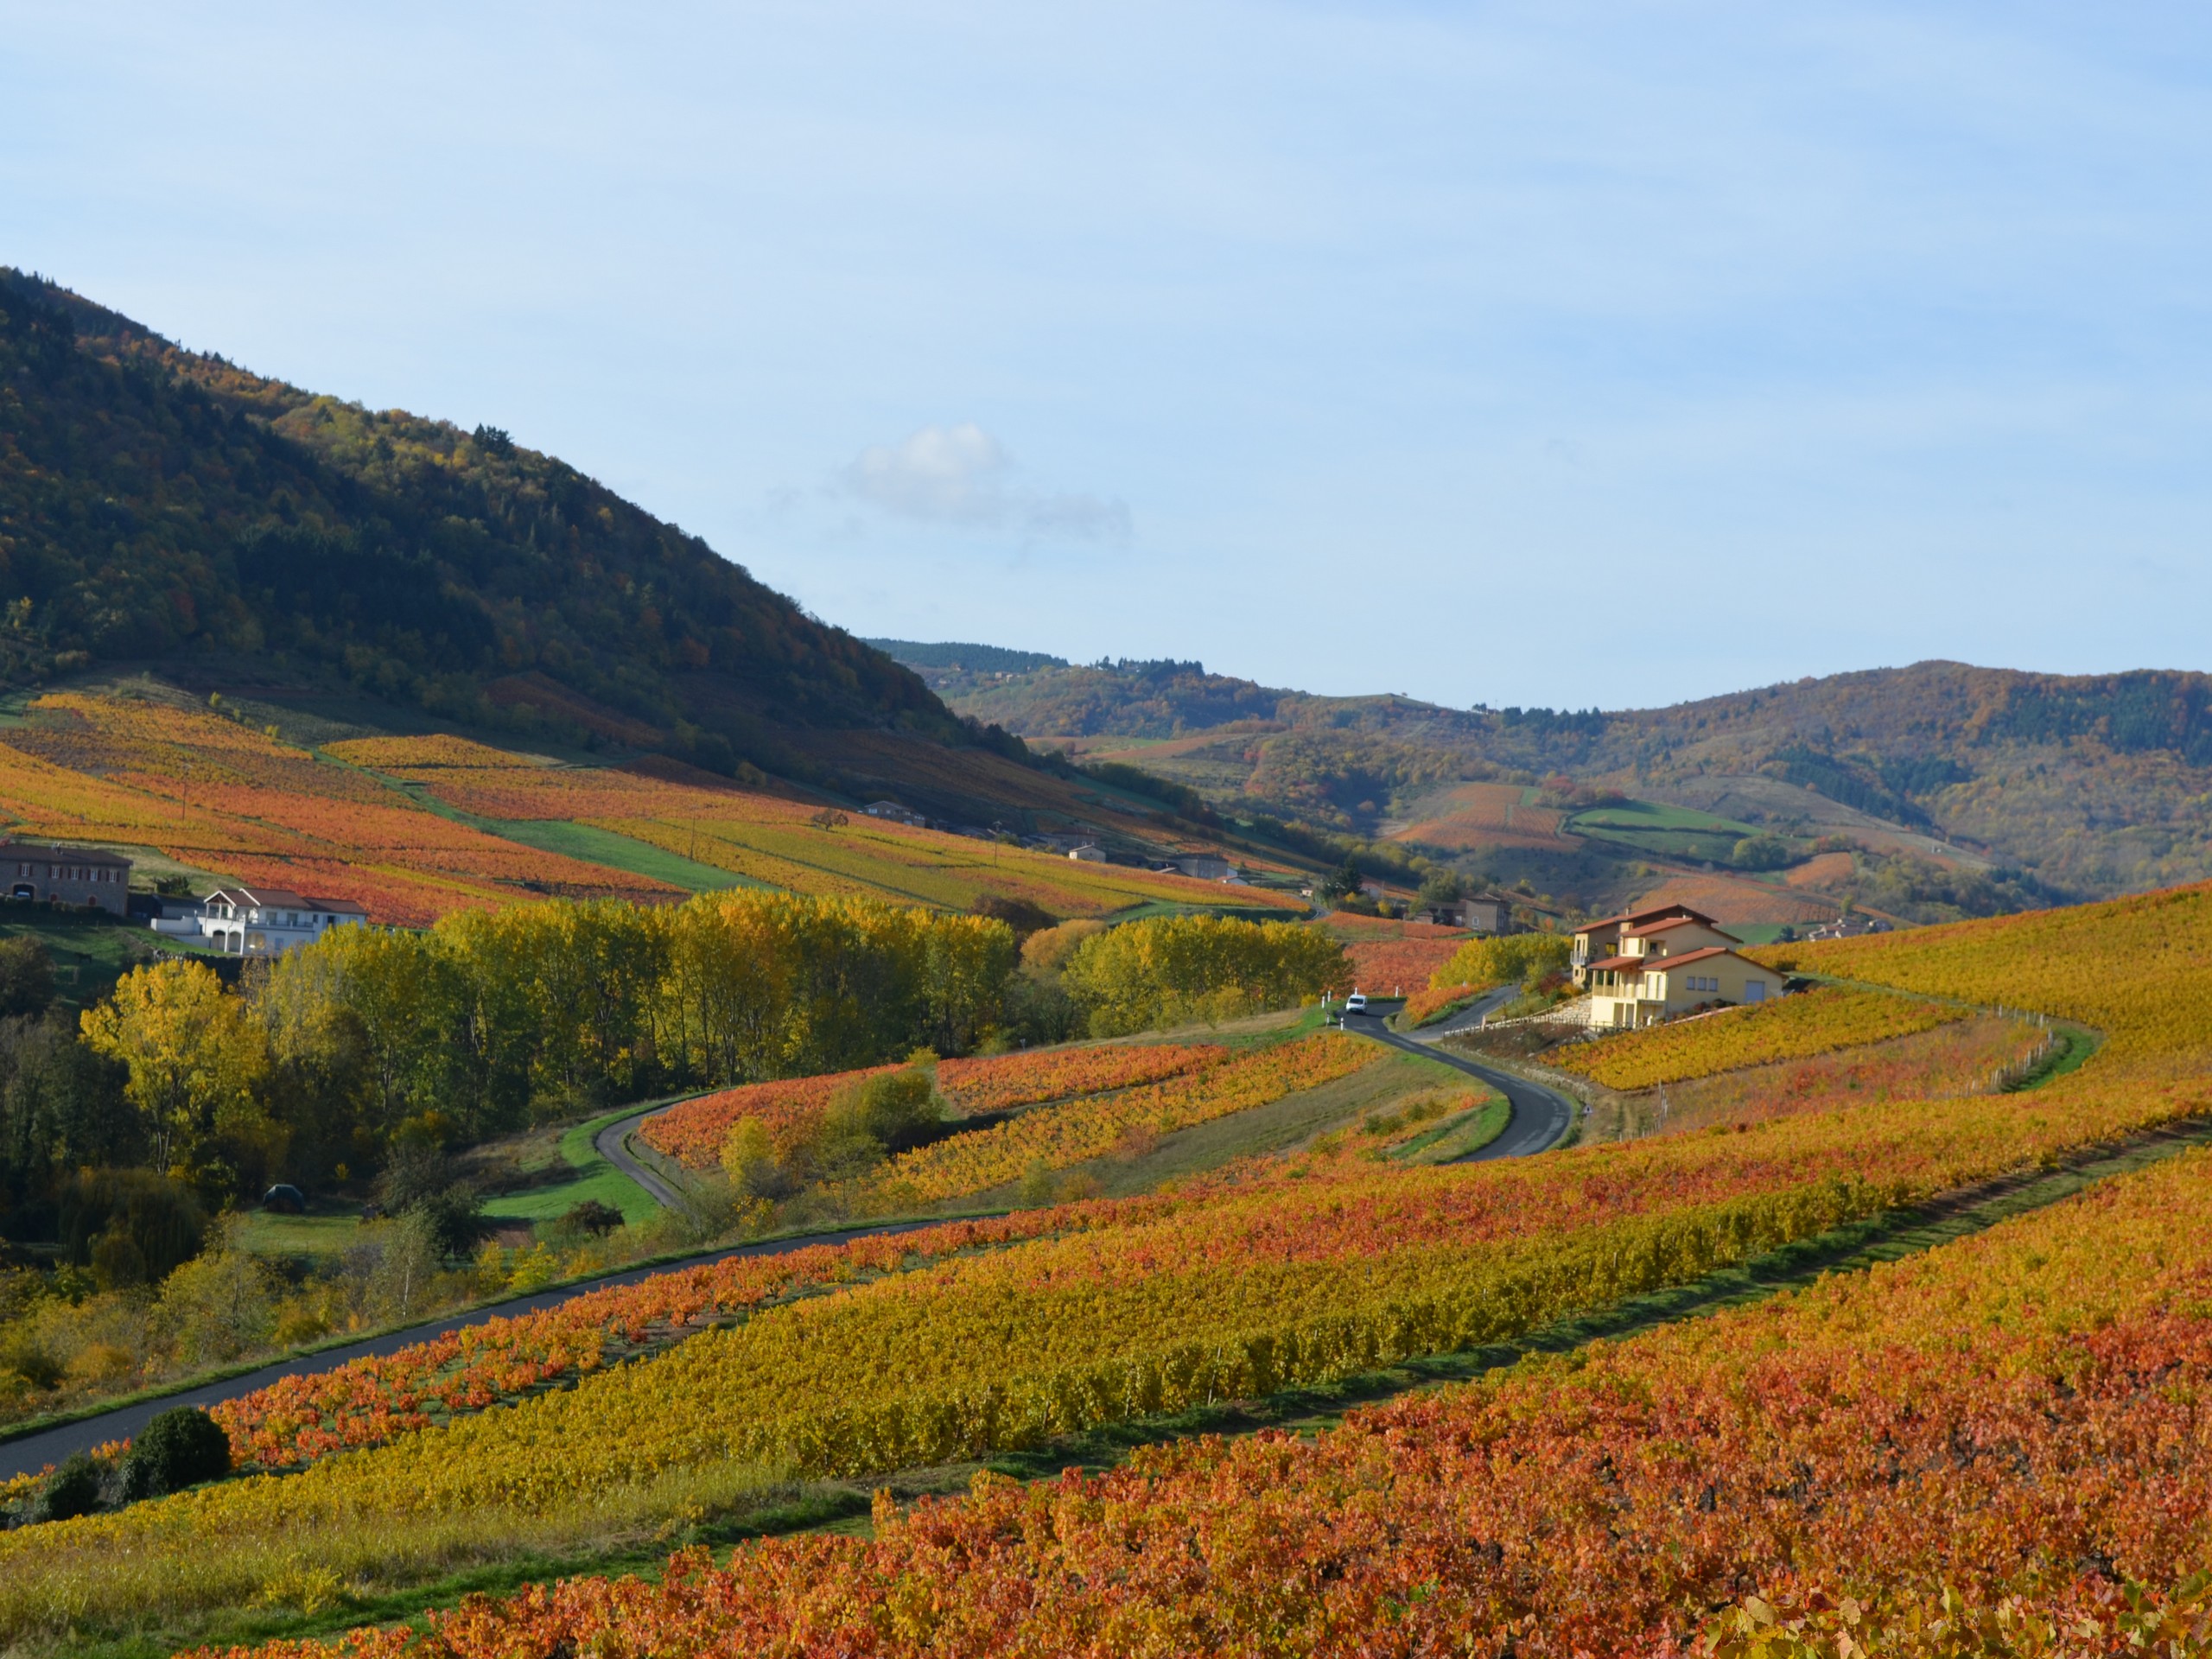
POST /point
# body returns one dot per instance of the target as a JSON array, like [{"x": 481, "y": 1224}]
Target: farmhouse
[
  {"x": 1088, "y": 854},
  {"x": 1644, "y": 989},
  {"x": 268, "y": 921},
  {"x": 1487, "y": 913},
  {"x": 1596, "y": 941},
  {"x": 66, "y": 875},
  {"x": 1202, "y": 866}
]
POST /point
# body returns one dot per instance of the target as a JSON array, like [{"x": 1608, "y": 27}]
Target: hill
[
  {"x": 1947, "y": 789},
  {"x": 163, "y": 508}
]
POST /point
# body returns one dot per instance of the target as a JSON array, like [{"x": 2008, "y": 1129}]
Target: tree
[
  {"x": 1168, "y": 969},
  {"x": 26, "y": 977},
  {"x": 1761, "y": 853},
  {"x": 192, "y": 1053},
  {"x": 1344, "y": 881},
  {"x": 1443, "y": 888}
]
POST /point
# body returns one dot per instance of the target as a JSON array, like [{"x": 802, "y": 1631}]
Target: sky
[{"x": 1554, "y": 354}]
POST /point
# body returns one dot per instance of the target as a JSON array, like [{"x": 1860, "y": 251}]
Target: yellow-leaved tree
[{"x": 193, "y": 1053}]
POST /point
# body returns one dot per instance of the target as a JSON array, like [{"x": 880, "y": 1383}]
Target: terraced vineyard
[
  {"x": 216, "y": 794},
  {"x": 1842, "y": 1460},
  {"x": 765, "y": 838}
]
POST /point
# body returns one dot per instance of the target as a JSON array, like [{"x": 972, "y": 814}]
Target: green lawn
[
  {"x": 1655, "y": 815},
  {"x": 326, "y": 1230},
  {"x": 1758, "y": 933},
  {"x": 615, "y": 851},
  {"x": 595, "y": 1178},
  {"x": 90, "y": 950}
]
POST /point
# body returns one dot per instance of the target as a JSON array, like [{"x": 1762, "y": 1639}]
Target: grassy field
[
  {"x": 594, "y": 1178},
  {"x": 1660, "y": 830},
  {"x": 617, "y": 852},
  {"x": 329, "y": 1227},
  {"x": 89, "y": 950}
]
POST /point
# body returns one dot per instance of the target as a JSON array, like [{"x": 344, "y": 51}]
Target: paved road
[
  {"x": 613, "y": 1144},
  {"x": 1540, "y": 1116},
  {"x": 1538, "y": 1121},
  {"x": 1471, "y": 1016},
  {"x": 32, "y": 1453}
]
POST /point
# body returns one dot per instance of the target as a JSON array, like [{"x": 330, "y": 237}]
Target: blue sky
[{"x": 1541, "y": 354}]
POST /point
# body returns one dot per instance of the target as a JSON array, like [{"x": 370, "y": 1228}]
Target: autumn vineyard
[{"x": 761, "y": 1166}]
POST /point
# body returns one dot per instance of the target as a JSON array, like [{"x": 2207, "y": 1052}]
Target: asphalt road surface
[
  {"x": 32, "y": 1453},
  {"x": 1540, "y": 1116},
  {"x": 612, "y": 1143},
  {"x": 1538, "y": 1121}
]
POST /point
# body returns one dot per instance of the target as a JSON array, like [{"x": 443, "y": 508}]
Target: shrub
[
  {"x": 593, "y": 1216},
  {"x": 26, "y": 977},
  {"x": 132, "y": 1226},
  {"x": 180, "y": 1448},
  {"x": 895, "y": 1109},
  {"x": 1761, "y": 853},
  {"x": 71, "y": 1491}
]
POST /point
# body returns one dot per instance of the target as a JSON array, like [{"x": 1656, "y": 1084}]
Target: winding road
[
  {"x": 1540, "y": 1120},
  {"x": 1541, "y": 1117},
  {"x": 612, "y": 1143}
]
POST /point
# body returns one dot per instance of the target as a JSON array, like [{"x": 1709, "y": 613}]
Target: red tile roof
[
  {"x": 1689, "y": 957},
  {"x": 1673, "y": 921},
  {"x": 1683, "y": 910}
]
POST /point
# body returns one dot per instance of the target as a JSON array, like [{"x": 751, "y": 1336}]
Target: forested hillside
[
  {"x": 157, "y": 505},
  {"x": 1934, "y": 775}
]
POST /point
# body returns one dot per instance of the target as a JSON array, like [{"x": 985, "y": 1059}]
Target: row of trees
[
  {"x": 1173, "y": 968},
  {"x": 328, "y": 1056},
  {"x": 370, "y": 1052}
]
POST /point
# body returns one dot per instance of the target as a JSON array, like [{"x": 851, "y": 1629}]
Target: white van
[{"x": 1356, "y": 1003}]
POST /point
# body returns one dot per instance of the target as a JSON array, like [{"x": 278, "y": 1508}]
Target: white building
[
  {"x": 1202, "y": 867},
  {"x": 268, "y": 921}
]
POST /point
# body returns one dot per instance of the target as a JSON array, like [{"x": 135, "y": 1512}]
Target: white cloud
[{"x": 963, "y": 475}]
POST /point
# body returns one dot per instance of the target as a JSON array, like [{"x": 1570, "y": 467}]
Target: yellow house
[
  {"x": 1644, "y": 989},
  {"x": 1595, "y": 941}
]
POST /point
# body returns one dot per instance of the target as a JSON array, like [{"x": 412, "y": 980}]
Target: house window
[{"x": 1754, "y": 990}]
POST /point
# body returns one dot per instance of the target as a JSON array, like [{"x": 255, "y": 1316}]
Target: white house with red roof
[
  {"x": 268, "y": 921},
  {"x": 1659, "y": 964},
  {"x": 1596, "y": 941}
]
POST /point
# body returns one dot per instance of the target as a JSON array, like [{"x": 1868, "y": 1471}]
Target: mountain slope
[
  {"x": 159, "y": 505},
  {"x": 1934, "y": 775}
]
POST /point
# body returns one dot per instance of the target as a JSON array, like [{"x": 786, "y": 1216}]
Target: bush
[
  {"x": 594, "y": 1218},
  {"x": 71, "y": 1491},
  {"x": 180, "y": 1448},
  {"x": 896, "y": 1110},
  {"x": 454, "y": 1219}
]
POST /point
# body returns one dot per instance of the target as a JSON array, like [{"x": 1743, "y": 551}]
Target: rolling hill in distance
[
  {"x": 178, "y": 531},
  {"x": 1928, "y": 792},
  {"x": 168, "y": 509},
  {"x": 220, "y": 587}
]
